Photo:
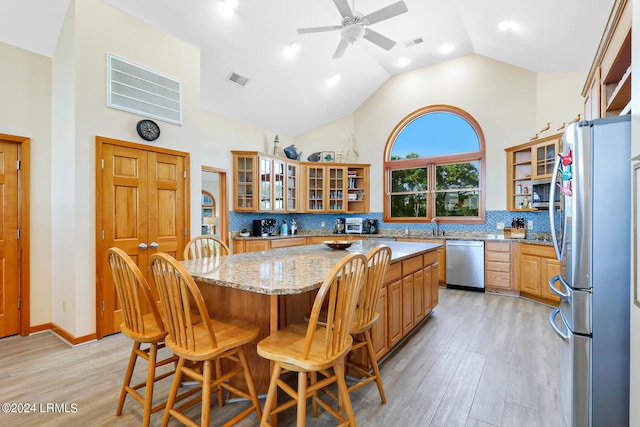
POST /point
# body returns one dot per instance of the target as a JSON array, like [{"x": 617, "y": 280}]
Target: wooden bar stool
[
  {"x": 200, "y": 345},
  {"x": 143, "y": 324},
  {"x": 311, "y": 348},
  {"x": 204, "y": 247},
  {"x": 366, "y": 316}
]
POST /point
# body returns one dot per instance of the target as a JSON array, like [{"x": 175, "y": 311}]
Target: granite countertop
[
  {"x": 533, "y": 238},
  {"x": 287, "y": 270}
]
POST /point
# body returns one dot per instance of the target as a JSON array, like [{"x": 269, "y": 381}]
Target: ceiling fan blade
[
  {"x": 390, "y": 11},
  {"x": 377, "y": 38},
  {"x": 343, "y": 7},
  {"x": 318, "y": 29},
  {"x": 342, "y": 47}
]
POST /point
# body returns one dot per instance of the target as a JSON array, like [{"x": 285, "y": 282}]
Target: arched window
[{"x": 434, "y": 167}]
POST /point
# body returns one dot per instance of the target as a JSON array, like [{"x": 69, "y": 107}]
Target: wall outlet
[
  {"x": 530, "y": 224},
  {"x": 321, "y": 224},
  {"x": 500, "y": 226}
]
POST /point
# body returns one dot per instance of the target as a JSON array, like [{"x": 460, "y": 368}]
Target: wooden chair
[
  {"x": 311, "y": 348},
  {"x": 204, "y": 247},
  {"x": 143, "y": 324},
  {"x": 366, "y": 316},
  {"x": 203, "y": 343}
]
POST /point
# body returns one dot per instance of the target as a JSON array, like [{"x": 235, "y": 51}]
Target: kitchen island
[{"x": 274, "y": 288}]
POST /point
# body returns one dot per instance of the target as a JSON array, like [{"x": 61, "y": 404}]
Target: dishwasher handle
[{"x": 472, "y": 244}]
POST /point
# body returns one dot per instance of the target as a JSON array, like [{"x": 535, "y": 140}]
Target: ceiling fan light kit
[{"x": 352, "y": 27}]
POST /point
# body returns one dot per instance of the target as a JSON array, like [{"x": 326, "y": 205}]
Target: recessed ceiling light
[
  {"x": 402, "y": 62},
  {"x": 446, "y": 48},
  {"x": 333, "y": 80},
  {"x": 231, "y": 4},
  {"x": 507, "y": 26},
  {"x": 292, "y": 49},
  {"x": 227, "y": 6}
]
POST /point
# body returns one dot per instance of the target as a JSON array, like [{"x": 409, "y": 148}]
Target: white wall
[
  {"x": 26, "y": 111},
  {"x": 510, "y": 104}
]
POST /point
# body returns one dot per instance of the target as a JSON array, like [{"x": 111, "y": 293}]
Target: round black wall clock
[{"x": 148, "y": 130}]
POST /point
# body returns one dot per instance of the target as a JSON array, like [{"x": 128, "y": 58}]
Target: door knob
[
  {"x": 154, "y": 245},
  {"x": 142, "y": 246}
]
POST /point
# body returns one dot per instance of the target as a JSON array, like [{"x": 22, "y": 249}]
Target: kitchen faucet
[{"x": 436, "y": 232}]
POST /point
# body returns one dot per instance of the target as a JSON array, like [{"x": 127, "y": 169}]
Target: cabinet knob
[{"x": 142, "y": 246}]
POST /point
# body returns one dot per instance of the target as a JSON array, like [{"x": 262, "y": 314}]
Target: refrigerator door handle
[
  {"x": 552, "y": 319},
  {"x": 563, "y": 296},
  {"x": 552, "y": 211}
]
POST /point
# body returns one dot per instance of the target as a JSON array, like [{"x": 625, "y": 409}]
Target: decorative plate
[{"x": 338, "y": 244}]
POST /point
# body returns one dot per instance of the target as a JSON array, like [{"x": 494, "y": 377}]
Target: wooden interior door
[
  {"x": 9, "y": 264},
  {"x": 141, "y": 208}
]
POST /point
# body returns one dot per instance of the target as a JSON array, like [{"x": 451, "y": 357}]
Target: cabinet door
[
  {"x": 434, "y": 283},
  {"x": 442, "y": 272},
  {"x": 544, "y": 157},
  {"x": 407, "y": 304},
  {"x": 427, "y": 282},
  {"x": 529, "y": 276},
  {"x": 243, "y": 183},
  {"x": 266, "y": 179},
  {"x": 279, "y": 183},
  {"x": 549, "y": 268},
  {"x": 315, "y": 188},
  {"x": 379, "y": 330},
  {"x": 418, "y": 296},
  {"x": 336, "y": 188},
  {"x": 292, "y": 187},
  {"x": 394, "y": 312},
  {"x": 256, "y": 245}
]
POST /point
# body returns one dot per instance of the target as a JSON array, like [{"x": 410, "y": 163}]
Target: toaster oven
[{"x": 353, "y": 225}]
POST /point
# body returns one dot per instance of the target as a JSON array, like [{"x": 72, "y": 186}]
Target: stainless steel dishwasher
[{"x": 465, "y": 264}]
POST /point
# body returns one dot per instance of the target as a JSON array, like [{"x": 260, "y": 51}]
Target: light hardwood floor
[{"x": 480, "y": 360}]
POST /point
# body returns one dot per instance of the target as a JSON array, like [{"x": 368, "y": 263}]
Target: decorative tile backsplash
[{"x": 239, "y": 221}]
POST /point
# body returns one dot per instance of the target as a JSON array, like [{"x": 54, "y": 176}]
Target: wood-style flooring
[{"x": 479, "y": 360}]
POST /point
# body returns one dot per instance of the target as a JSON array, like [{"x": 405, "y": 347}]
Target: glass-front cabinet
[
  {"x": 315, "y": 188},
  {"x": 273, "y": 179},
  {"x": 337, "y": 188}
]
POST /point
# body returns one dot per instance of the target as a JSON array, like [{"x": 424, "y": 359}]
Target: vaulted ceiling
[{"x": 289, "y": 94}]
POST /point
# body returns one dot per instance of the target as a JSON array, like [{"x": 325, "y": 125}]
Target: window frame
[{"x": 431, "y": 163}]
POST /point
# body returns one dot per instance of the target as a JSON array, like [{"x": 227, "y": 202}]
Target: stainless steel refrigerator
[{"x": 591, "y": 235}]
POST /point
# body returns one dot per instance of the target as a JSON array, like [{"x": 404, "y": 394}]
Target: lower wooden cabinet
[
  {"x": 500, "y": 267},
  {"x": 256, "y": 245},
  {"x": 537, "y": 265}
]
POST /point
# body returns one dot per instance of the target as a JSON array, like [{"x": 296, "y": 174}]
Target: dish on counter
[{"x": 337, "y": 244}]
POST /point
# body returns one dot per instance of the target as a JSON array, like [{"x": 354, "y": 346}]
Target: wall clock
[{"x": 148, "y": 130}]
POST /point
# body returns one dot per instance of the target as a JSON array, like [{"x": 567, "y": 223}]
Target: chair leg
[
  {"x": 271, "y": 395},
  {"x": 220, "y": 389},
  {"x": 343, "y": 398},
  {"x": 174, "y": 391},
  {"x": 151, "y": 376},
  {"x": 127, "y": 377},
  {"x": 372, "y": 360},
  {"x": 314, "y": 379},
  {"x": 249, "y": 380},
  {"x": 206, "y": 393},
  {"x": 302, "y": 399}
]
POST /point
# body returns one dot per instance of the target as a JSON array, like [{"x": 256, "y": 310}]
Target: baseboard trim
[{"x": 62, "y": 333}]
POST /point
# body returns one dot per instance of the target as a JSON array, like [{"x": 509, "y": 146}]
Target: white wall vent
[
  {"x": 413, "y": 42},
  {"x": 237, "y": 79},
  {"x": 133, "y": 88}
]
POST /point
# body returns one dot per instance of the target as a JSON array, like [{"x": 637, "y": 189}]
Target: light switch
[
  {"x": 530, "y": 224},
  {"x": 500, "y": 226}
]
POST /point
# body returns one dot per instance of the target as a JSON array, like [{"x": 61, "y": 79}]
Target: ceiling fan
[{"x": 352, "y": 28}]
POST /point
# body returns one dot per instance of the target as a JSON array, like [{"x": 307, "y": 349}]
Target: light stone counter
[{"x": 287, "y": 270}]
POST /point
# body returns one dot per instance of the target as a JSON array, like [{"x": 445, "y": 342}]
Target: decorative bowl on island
[{"x": 337, "y": 244}]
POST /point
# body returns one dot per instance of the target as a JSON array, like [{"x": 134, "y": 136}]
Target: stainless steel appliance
[
  {"x": 465, "y": 264},
  {"x": 353, "y": 225},
  {"x": 540, "y": 194},
  {"x": 264, "y": 227},
  {"x": 339, "y": 227},
  {"x": 590, "y": 231}
]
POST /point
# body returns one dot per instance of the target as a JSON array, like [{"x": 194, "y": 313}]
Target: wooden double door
[{"x": 142, "y": 207}]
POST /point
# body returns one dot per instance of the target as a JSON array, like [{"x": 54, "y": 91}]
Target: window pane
[
  {"x": 409, "y": 205},
  {"x": 435, "y": 134},
  {"x": 458, "y": 175},
  {"x": 405, "y": 180},
  {"x": 457, "y": 203}
]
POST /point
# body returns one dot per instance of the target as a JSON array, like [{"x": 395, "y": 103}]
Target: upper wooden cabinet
[
  {"x": 526, "y": 162},
  {"x": 336, "y": 188},
  {"x": 264, "y": 183},
  {"x": 607, "y": 90}
]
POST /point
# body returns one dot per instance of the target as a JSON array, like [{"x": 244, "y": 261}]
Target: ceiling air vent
[
  {"x": 133, "y": 88},
  {"x": 237, "y": 79},
  {"x": 413, "y": 42}
]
